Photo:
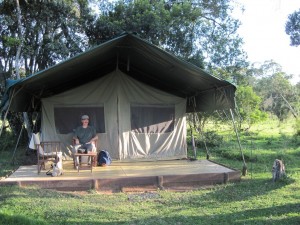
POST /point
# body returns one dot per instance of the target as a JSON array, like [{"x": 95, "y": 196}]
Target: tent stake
[{"x": 244, "y": 172}]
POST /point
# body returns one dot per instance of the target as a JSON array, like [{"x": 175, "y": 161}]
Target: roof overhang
[{"x": 135, "y": 57}]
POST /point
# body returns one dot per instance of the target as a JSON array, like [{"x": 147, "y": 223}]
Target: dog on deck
[
  {"x": 58, "y": 166},
  {"x": 278, "y": 170}
]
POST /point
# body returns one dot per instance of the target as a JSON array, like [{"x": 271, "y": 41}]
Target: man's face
[{"x": 85, "y": 121}]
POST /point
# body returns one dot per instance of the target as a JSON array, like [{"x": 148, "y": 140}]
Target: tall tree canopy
[
  {"x": 51, "y": 31},
  {"x": 200, "y": 31},
  {"x": 278, "y": 95},
  {"x": 292, "y": 28}
]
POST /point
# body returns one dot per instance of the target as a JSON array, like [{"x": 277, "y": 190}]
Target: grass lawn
[{"x": 254, "y": 200}]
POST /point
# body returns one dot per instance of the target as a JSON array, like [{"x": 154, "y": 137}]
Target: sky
[{"x": 263, "y": 32}]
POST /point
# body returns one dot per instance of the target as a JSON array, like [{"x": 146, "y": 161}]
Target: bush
[
  {"x": 7, "y": 141},
  {"x": 212, "y": 139}
]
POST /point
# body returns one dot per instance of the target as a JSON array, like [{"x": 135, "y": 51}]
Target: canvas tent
[{"x": 135, "y": 93}]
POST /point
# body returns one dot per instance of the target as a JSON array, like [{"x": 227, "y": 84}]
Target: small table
[{"x": 92, "y": 155}]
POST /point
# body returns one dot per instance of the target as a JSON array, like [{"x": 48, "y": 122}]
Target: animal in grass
[{"x": 278, "y": 170}]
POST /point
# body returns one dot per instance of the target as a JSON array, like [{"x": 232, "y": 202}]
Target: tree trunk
[{"x": 17, "y": 63}]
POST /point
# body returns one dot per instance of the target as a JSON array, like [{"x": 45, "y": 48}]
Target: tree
[
  {"x": 46, "y": 38},
  {"x": 20, "y": 38},
  {"x": 37, "y": 34},
  {"x": 202, "y": 32},
  {"x": 292, "y": 28},
  {"x": 278, "y": 95},
  {"x": 249, "y": 106}
]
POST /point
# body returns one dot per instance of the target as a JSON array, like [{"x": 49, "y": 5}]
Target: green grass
[
  {"x": 254, "y": 200},
  {"x": 9, "y": 158}
]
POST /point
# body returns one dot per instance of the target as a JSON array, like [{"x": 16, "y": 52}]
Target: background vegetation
[
  {"x": 37, "y": 34},
  {"x": 254, "y": 200}
]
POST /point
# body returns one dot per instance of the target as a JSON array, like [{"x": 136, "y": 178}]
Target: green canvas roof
[{"x": 135, "y": 57}]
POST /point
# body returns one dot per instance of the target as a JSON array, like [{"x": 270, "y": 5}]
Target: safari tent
[{"x": 136, "y": 95}]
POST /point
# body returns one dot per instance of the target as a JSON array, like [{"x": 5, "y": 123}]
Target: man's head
[{"x": 85, "y": 120}]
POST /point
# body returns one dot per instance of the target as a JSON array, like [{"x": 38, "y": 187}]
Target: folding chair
[{"x": 47, "y": 151}]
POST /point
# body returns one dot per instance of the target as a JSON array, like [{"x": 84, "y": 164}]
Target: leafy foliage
[
  {"x": 212, "y": 139},
  {"x": 255, "y": 200},
  {"x": 248, "y": 105},
  {"x": 278, "y": 95},
  {"x": 292, "y": 28},
  {"x": 191, "y": 30},
  {"x": 51, "y": 32}
]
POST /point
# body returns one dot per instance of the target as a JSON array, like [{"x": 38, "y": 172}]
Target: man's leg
[
  {"x": 89, "y": 148},
  {"x": 75, "y": 159}
]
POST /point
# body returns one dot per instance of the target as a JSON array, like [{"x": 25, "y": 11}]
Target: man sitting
[{"x": 84, "y": 137}]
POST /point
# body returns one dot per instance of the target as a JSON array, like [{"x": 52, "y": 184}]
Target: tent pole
[
  {"x": 201, "y": 134},
  {"x": 193, "y": 138},
  {"x": 20, "y": 134},
  {"x": 203, "y": 138},
  {"x": 28, "y": 126},
  {"x": 194, "y": 146},
  {"x": 239, "y": 142}
]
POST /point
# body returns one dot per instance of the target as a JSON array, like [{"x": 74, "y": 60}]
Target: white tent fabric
[{"x": 117, "y": 93}]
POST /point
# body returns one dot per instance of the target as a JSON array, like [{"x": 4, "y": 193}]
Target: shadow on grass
[
  {"x": 277, "y": 215},
  {"x": 284, "y": 214},
  {"x": 194, "y": 208},
  {"x": 19, "y": 220},
  {"x": 248, "y": 189}
]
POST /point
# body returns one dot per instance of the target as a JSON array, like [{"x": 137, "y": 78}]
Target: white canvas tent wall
[
  {"x": 147, "y": 69},
  {"x": 117, "y": 92}
]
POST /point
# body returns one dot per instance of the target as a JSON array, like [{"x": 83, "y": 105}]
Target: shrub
[{"x": 212, "y": 139}]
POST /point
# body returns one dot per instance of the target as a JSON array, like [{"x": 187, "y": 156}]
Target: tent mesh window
[
  {"x": 152, "y": 119},
  {"x": 68, "y": 118}
]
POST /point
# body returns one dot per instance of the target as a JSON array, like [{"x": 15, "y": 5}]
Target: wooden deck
[{"x": 129, "y": 176}]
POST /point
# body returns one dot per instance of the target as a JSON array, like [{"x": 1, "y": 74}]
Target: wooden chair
[{"x": 47, "y": 151}]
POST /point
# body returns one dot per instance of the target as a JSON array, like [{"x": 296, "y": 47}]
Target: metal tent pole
[
  {"x": 194, "y": 147},
  {"x": 195, "y": 117},
  {"x": 244, "y": 172},
  {"x": 203, "y": 138},
  {"x": 201, "y": 133},
  {"x": 20, "y": 134},
  {"x": 193, "y": 138}
]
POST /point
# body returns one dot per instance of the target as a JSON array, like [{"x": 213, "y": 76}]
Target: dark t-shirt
[{"x": 85, "y": 134}]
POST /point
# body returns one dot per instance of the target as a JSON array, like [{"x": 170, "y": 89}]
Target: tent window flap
[
  {"x": 68, "y": 118},
  {"x": 152, "y": 118}
]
